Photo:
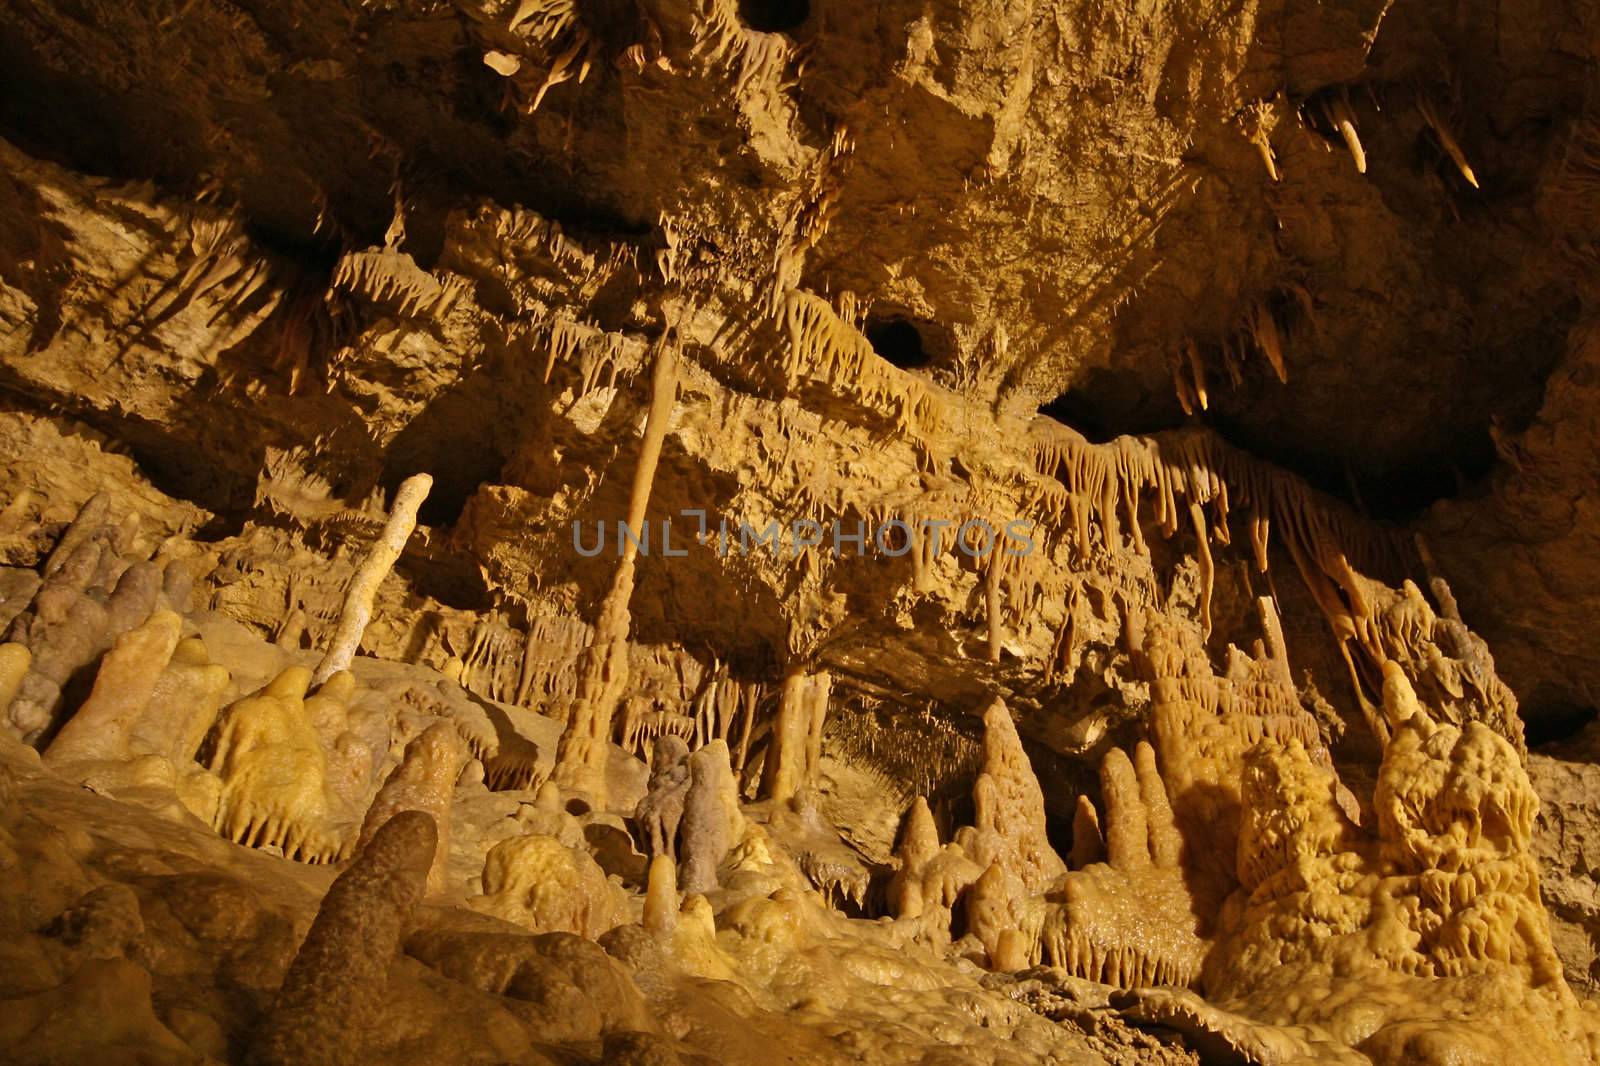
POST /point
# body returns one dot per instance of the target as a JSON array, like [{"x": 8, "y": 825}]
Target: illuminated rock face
[{"x": 645, "y": 533}]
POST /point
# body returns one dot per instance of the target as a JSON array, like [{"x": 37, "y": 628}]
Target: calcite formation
[
  {"x": 772, "y": 530},
  {"x": 333, "y": 991},
  {"x": 273, "y": 768}
]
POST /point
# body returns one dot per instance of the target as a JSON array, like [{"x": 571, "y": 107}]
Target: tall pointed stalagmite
[
  {"x": 603, "y": 675},
  {"x": 1010, "y": 818}
]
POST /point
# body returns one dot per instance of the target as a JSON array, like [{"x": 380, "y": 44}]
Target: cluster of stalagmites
[
  {"x": 106, "y": 671},
  {"x": 1222, "y": 855},
  {"x": 108, "y": 675},
  {"x": 1274, "y": 879}
]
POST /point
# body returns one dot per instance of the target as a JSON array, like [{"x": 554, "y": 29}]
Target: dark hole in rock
[
  {"x": 446, "y": 502},
  {"x": 1109, "y": 403},
  {"x": 774, "y": 16},
  {"x": 898, "y": 341},
  {"x": 1550, "y": 723}
]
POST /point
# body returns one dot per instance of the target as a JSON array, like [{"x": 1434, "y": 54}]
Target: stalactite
[
  {"x": 1337, "y": 109},
  {"x": 1061, "y": 655},
  {"x": 757, "y": 61},
  {"x": 1198, "y": 369},
  {"x": 1262, "y": 325},
  {"x": 1231, "y": 360},
  {"x": 991, "y": 590},
  {"x": 751, "y": 700},
  {"x": 911, "y": 752},
  {"x": 551, "y": 648},
  {"x": 1446, "y": 140},
  {"x": 1208, "y": 568},
  {"x": 1256, "y": 121},
  {"x": 218, "y": 259},
  {"x": 386, "y": 275},
  {"x": 1322, "y": 539},
  {"x": 1182, "y": 387},
  {"x": 824, "y": 347},
  {"x": 556, "y": 33}
]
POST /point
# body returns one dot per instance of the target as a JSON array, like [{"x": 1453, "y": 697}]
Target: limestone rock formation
[
  {"x": 333, "y": 992},
  {"x": 1566, "y": 779},
  {"x": 773, "y": 529}
]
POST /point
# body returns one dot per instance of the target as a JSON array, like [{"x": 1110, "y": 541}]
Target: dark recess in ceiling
[
  {"x": 898, "y": 341},
  {"x": 774, "y": 16}
]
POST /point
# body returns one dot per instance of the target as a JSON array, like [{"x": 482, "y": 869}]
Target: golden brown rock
[
  {"x": 332, "y": 995},
  {"x": 424, "y": 781},
  {"x": 930, "y": 433}
]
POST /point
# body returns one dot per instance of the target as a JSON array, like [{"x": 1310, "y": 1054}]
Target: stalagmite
[
  {"x": 128, "y": 674},
  {"x": 70, "y": 623},
  {"x": 274, "y": 774},
  {"x": 1011, "y": 952},
  {"x": 919, "y": 845},
  {"x": 357, "y": 609},
  {"x": 424, "y": 781},
  {"x": 334, "y": 990},
  {"x": 661, "y": 898},
  {"x": 991, "y": 914},
  {"x": 1127, "y": 834},
  {"x": 1272, "y": 632},
  {"x": 1010, "y": 816},
  {"x": 14, "y": 516},
  {"x": 1088, "y": 845},
  {"x": 352, "y": 757},
  {"x": 660, "y": 809},
  {"x": 14, "y": 662},
  {"x": 585, "y": 741},
  {"x": 1165, "y": 842},
  {"x": 1022, "y": 222},
  {"x": 541, "y": 883},
  {"x": 712, "y": 822},
  {"x": 1129, "y": 920},
  {"x": 796, "y": 747},
  {"x": 90, "y": 520}
]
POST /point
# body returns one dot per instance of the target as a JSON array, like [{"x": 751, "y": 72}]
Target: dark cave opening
[
  {"x": 446, "y": 500},
  {"x": 1398, "y": 492},
  {"x": 1549, "y": 723},
  {"x": 774, "y": 16},
  {"x": 899, "y": 341},
  {"x": 1112, "y": 403}
]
